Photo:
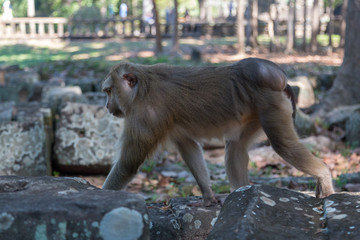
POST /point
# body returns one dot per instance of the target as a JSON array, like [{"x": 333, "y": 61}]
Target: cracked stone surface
[{"x": 265, "y": 212}]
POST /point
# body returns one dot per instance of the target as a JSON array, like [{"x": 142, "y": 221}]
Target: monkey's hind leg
[
  {"x": 278, "y": 125},
  {"x": 191, "y": 153},
  {"x": 236, "y": 155}
]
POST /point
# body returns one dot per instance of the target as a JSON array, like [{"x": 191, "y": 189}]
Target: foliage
[
  {"x": 341, "y": 181},
  {"x": 87, "y": 13},
  {"x": 60, "y": 8}
]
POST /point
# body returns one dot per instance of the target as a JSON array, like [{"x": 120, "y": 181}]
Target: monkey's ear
[{"x": 131, "y": 79}]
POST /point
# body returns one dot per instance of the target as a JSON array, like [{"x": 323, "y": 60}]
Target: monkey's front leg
[
  {"x": 192, "y": 155},
  {"x": 127, "y": 162}
]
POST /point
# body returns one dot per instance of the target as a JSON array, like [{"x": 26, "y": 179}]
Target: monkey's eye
[{"x": 107, "y": 90}]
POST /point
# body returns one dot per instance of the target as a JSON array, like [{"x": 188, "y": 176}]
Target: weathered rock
[
  {"x": 304, "y": 124},
  {"x": 340, "y": 115},
  {"x": 264, "y": 212},
  {"x": 291, "y": 182},
  {"x": 9, "y": 93},
  {"x": 85, "y": 138},
  {"x": 96, "y": 98},
  {"x": 57, "y": 97},
  {"x": 86, "y": 84},
  {"x": 319, "y": 143},
  {"x": 350, "y": 177},
  {"x": 68, "y": 208},
  {"x": 6, "y": 111},
  {"x": 38, "y": 89},
  {"x": 306, "y": 96},
  {"x": 18, "y": 85},
  {"x": 341, "y": 212},
  {"x": 352, "y": 187},
  {"x": 347, "y": 118},
  {"x": 180, "y": 219},
  {"x": 29, "y": 112},
  {"x": 325, "y": 81},
  {"x": 352, "y": 129},
  {"x": 24, "y": 149},
  {"x": 22, "y": 76}
]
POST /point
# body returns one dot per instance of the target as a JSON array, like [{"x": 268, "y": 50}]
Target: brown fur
[{"x": 187, "y": 104}]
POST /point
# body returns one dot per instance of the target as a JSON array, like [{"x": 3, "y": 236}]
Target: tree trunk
[
  {"x": 208, "y": 10},
  {"x": 315, "y": 25},
  {"x": 345, "y": 90},
  {"x": 331, "y": 25},
  {"x": 271, "y": 25},
  {"x": 343, "y": 23},
  {"x": 254, "y": 22},
  {"x": 240, "y": 32},
  {"x": 202, "y": 9},
  {"x": 294, "y": 25},
  {"x": 158, "y": 46},
  {"x": 175, "y": 37},
  {"x": 304, "y": 36},
  {"x": 290, "y": 28}
]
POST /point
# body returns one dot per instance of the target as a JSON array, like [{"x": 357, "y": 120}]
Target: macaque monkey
[{"x": 186, "y": 104}]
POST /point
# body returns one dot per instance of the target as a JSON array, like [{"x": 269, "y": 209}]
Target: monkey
[{"x": 186, "y": 104}]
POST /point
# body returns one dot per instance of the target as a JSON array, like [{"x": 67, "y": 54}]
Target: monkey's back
[{"x": 212, "y": 97}]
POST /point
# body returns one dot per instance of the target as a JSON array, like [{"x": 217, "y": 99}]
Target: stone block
[
  {"x": 6, "y": 111},
  {"x": 264, "y": 212},
  {"x": 86, "y": 84},
  {"x": 85, "y": 138},
  {"x": 96, "y": 98},
  {"x": 306, "y": 96},
  {"x": 23, "y": 149},
  {"x": 68, "y": 208},
  {"x": 19, "y": 85},
  {"x": 56, "y": 97}
]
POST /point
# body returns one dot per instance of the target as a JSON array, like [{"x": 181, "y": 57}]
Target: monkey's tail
[{"x": 290, "y": 93}]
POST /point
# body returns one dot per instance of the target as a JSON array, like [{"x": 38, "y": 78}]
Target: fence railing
[
  {"x": 33, "y": 28},
  {"x": 52, "y": 28}
]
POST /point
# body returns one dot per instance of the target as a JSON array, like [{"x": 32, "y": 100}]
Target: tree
[
  {"x": 345, "y": 90},
  {"x": 240, "y": 32},
  {"x": 158, "y": 46},
  {"x": 290, "y": 28},
  {"x": 343, "y": 22},
  {"x": 254, "y": 22},
  {"x": 305, "y": 29},
  {"x": 205, "y": 10},
  {"x": 294, "y": 24},
  {"x": 314, "y": 25},
  {"x": 175, "y": 37},
  {"x": 331, "y": 24}
]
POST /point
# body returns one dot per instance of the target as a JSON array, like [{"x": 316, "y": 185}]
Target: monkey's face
[{"x": 119, "y": 89}]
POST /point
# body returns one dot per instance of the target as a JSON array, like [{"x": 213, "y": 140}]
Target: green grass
[
  {"x": 113, "y": 51},
  {"x": 322, "y": 39},
  {"x": 26, "y": 56}
]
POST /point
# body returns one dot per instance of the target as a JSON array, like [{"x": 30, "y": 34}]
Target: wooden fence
[{"x": 62, "y": 28}]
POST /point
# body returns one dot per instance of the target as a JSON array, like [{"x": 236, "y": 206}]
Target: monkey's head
[{"x": 120, "y": 87}]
